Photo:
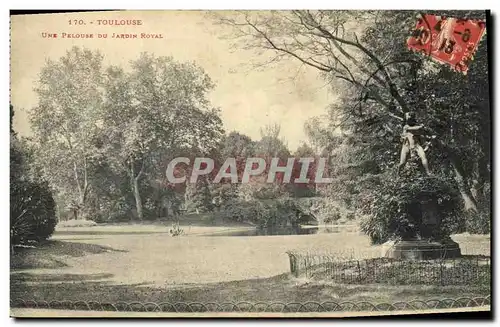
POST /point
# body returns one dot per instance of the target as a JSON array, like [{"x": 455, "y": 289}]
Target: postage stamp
[{"x": 448, "y": 40}]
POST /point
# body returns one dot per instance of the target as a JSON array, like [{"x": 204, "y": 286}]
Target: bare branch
[
  {"x": 392, "y": 87},
  {"x": 394, "y": 116},
  {"x": 274, "y": 46},
  {"x": 375, "y": 95}
]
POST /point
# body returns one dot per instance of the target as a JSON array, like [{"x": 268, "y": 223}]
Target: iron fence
[
  {"x": 346, "y": 306},
  {"x": 466, "y": 270}
]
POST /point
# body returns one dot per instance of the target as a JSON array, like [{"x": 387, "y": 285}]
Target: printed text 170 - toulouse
[{"x": 107, "y": 22}]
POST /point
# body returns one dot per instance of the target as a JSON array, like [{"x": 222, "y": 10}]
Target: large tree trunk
[
  {"x": 83, "y": 203},
  {"x": 484, "y": 161},
  {"x": 79, "y": 202},
  {"x": 166, "y": 204},
  {"x": 84, "y": 193},
  {"x": 469, "y": 202},
  {"x": 135, "y": 189},
  {"x": 137, "y": 196},
  {"x": 483, "y": 176}
]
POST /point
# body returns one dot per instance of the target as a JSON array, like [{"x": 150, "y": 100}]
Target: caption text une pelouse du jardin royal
[{"x": 103, "y": 35}]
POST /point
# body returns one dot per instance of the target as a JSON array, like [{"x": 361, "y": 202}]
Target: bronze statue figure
[{"x": 412, "y": 138}]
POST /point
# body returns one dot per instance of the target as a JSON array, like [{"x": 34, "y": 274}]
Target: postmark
[{"x": 447, "y": 40}]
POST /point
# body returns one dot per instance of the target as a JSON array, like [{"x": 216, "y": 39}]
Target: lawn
[{"x": 143, "y": 263}]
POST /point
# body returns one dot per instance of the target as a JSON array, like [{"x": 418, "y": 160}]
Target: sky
[{"x": 286, "y": 93}]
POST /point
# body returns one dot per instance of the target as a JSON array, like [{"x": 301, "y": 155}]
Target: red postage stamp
[{"x": 450, "y": 41}]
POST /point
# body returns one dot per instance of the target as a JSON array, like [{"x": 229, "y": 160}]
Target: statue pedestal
[{"x": 423, "y": 250}]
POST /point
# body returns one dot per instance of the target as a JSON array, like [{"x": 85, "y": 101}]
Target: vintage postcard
[{"x": 295, "y": 163}]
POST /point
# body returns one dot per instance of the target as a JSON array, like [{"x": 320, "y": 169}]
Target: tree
[
  {"x": 271, "y": 145},
  {"x": 156, "y": 111},
  {"x": 366, "y": 51},
  {"x": 201, "y": 199},
  {"x": 304, "y": 151},
  {"x": 303, "y": 189},
  {"x": 32, "y": 207},
  {"x": 237, "y": 145},
  {"x": 66, "y": 120}
]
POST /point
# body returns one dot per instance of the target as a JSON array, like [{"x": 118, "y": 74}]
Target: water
[{"x": 304, "y": 230}]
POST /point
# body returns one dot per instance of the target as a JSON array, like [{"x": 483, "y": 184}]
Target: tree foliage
[
  {"x": 65, "y": 123},
  {"x": 104, "y": 135},
  {"x": 155, "y": 112},
  {"x": 364, "y": 57},
  {"x": 32, "y": 207},
  {"x": 397, "y": 209}
]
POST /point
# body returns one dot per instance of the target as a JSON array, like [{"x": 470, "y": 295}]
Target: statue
[
  {"x": 412, "y": 138},
  {"x": 421, "y": 231}
]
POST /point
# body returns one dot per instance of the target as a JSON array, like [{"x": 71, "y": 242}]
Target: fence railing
[
  {"x": 372, "y": 269},
  {"x": 346, "y": 306}
]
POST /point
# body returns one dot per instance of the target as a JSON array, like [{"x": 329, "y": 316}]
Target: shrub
[
  {"x": 265, "y": 213},
  {"x": 32, "y": 206},
  {"x": 176, "y": 230},
  {"x": 333, "y": 216},
  {"x": 240, "y": 210},
  {"x": 327, "y": 210},
  {"x": 280, "y": 213},
  {"x": 480, "y": 222},
  {"x": 32, "y": 211},
  {"x": 397, "y": 204},
  {"x": 118, "y": 210},
  {"x": 209, "y": 218}
]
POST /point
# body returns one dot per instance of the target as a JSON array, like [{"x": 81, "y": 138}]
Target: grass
[
  {"x": 76, "y": 223},
  {"x": 192, "y": 224},
  {"x": 281, "y": 288},
  {"x": 128, "y": 264}
]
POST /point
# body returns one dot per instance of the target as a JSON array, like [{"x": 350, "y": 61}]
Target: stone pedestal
[{"x": 423, "y": 250}]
